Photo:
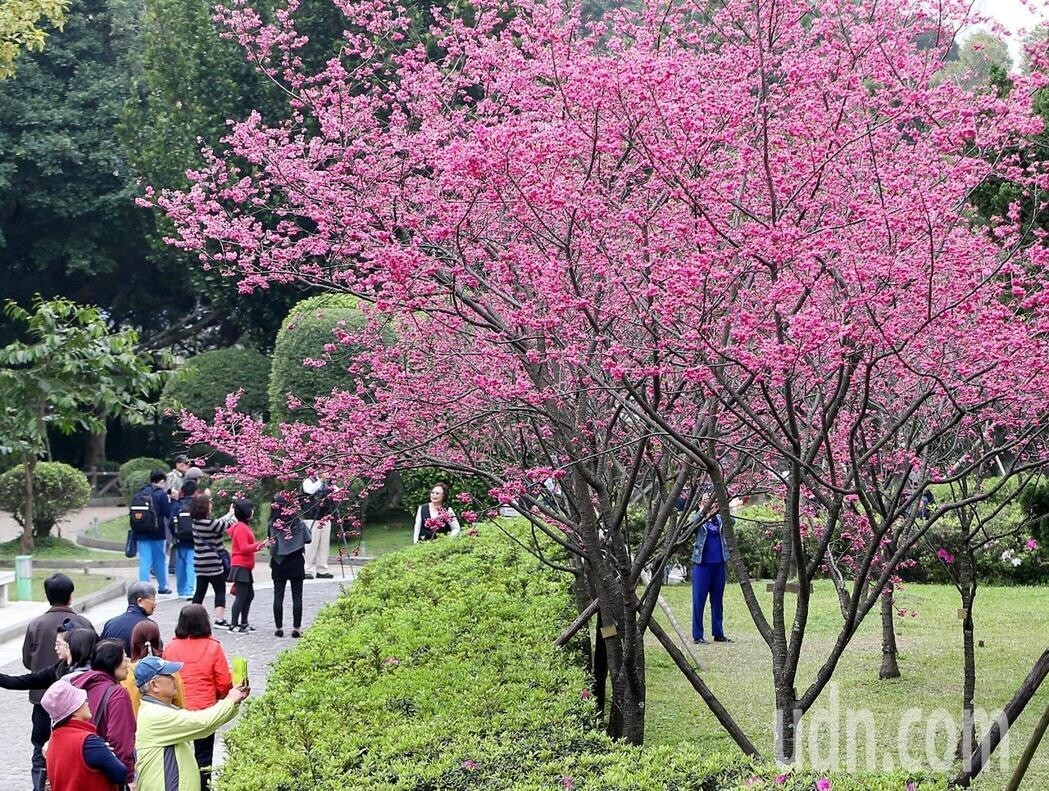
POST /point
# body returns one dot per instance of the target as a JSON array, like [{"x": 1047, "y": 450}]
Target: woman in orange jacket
[{"x": 205, "y": 674}]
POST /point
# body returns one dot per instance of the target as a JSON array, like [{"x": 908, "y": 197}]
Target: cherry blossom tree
[{"x": 723, "y": 244}]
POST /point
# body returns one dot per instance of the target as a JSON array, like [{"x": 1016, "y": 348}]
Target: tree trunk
[
  {"x": 95, "y": 449},
  {"x": 626, "y": 665},
  {"x": 967, "y": 738},
  {"x": 976, "y": 761},
  {"x": 889, "y": 667},
  {"x": 787, "y": 718},
  {"x": 29, "y": 464}
]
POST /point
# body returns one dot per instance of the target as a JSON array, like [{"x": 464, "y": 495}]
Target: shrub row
[{"x": 438, "y": 672}]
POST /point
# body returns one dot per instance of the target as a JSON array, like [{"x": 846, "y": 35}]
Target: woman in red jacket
[
  {"x": 242, "y": 561},
  {"x": 205, "y": 674}
]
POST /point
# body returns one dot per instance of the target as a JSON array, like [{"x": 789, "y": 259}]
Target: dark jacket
[
  {"x": 120, "y": 627},
  {"x": 38, "y": 649},
  {"x": 117, "y": 724},
  {"x": 291, "y": 534}
]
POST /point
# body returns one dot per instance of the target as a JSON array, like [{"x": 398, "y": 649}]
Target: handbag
[
  {"x": 224, "y": 557},
  {"x": 131, "y": 545}
]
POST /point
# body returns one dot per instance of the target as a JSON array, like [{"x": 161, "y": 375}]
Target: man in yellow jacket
[{"x": 165, "y": 734}]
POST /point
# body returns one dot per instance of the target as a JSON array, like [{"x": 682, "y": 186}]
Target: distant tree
[
  {"x": 22, "y": 27},
  {"x": 69, "y": 226},
  {"x": 70, "y": 373},
  {"x": 982, "y": 60},
  {"x": 58, "y": 489}
]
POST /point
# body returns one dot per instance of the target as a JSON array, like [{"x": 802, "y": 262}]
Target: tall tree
[
  {"x": 23, "y": 27},
  {"x": 626, "y": 258},
  {"x": 69, "y": 225},
  {"x": 70, "y": 373}
]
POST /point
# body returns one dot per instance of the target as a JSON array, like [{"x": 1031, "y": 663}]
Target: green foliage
[
  {"x": 418, "y": 482},
  {"x": 307, "y": 328},
  {"x": 69, "y": 225},
  {"x": 57, "y": 490},
  {"x": 203, "y": 382},
  {"x": 134, "y": 473},
  {"x": 21, "y": 28},
  {"x": 466, "y": 692},
  {"x": 1035, "y": 503},
  {"x": 758, "y": 529}
]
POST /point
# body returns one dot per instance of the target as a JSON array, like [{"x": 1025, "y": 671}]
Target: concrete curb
[
  {"x": 112, "y": 591},
  {"x": 75, "y": 563}
]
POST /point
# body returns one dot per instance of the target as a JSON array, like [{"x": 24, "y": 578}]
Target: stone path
[{"x": 260, "y": 648}]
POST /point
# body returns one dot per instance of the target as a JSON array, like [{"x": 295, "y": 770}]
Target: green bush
[
  {"x": 303, "y": 335},
  {"x": 203, "y": 382},
  {"x": 134, "y": 473},
  {"x": 438, "y": 672},
  {"x": 57, "y": 490}
]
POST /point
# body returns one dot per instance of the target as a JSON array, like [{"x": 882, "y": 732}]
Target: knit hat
[
  {"x": 194, "y": 473},
  {"x": 150, "y": 667},
  {"x": 62, "y": 700}
]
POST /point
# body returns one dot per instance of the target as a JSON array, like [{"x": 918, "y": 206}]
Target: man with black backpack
[
  {"x": 182, "y": 527},
  {"x": 150, "y": 513}
]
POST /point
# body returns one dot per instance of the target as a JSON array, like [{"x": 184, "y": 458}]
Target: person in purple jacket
[{"x": 112, "y": 714}]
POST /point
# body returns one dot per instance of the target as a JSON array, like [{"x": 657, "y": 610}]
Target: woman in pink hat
[{"x": 77, "y": 758}]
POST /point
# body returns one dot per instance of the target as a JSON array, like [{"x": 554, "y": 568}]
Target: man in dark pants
[
  {"x": 709, "y": 575},
  {"x": 38, "y": 653}
]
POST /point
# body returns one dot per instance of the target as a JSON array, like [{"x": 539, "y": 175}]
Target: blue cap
[{"x": 150, "y": 667}]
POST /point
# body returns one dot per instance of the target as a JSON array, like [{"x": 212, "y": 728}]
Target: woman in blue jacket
[{"x": 709, "y": 574}]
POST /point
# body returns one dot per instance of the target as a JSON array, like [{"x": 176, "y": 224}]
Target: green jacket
[{"x": 164, "y": 742}]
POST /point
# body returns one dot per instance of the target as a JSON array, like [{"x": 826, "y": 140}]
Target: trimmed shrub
[
  {"x": 438, "y": 672},
  {"x": 57, "y": 490},
  {"x": 303, "y": 334},
  {"x": 134, "y": 473},
  {"x": 203, "y": 382}
]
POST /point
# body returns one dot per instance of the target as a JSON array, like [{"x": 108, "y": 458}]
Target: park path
[
  {"x": 71, "y": 526},
  {"x": 260, "y": 648}
]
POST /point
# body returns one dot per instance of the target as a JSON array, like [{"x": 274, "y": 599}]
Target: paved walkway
[
  {"x": 260, "y": 648},
  {"x": 70, "y": 526}
]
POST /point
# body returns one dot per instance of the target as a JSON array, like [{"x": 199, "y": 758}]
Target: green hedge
[
  {"x": 134, "y": 473},
  {"x": 57, "y": 490},
  {"x": 438, "y": 672},
  {"x": 204, "y": 381}
]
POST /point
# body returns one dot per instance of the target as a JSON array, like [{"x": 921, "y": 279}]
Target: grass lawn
[
  {"x": 84, "y": 584},
  {"x": 1012, "y": 622},
  {"x": 50, "y": 548}
]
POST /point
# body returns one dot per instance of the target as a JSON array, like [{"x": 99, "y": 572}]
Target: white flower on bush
[{"x": 1010, "y": 559}]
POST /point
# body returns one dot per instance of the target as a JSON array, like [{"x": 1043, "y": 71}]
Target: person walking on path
[
  {"x": 289, "y": 536},
  {"x": 78, "y": 759},
  {"x": 207, "y": 553},
  {"x": 146, "y": 641},
  {"x": 112, "y": 714},
  {"x": 165, "y": 756},
  {"x": 709, "y": 575},
  {"x": 141, "y": 602},
  {"x": 205, "y": 674},
  {"x": 152, "y": 546},
  {"x": 38, "y": 653},
  {"x": 182, "y": 528},
  {"x": 317, "y": 510},
  {"x": 242, "y": 564}
]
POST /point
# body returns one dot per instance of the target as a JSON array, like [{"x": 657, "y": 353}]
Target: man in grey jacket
[{"x": 38, "y": 653}]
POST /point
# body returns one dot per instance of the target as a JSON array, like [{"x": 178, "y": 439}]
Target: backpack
[
  {"x": 143, "y": 511},
  {"x": 184, "y": 523}
]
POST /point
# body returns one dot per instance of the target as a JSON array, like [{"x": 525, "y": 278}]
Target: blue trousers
[
  {"x": 152, "y": 555},
  {"x": 708, "y": 579},
  {"x": 185, "y": 576}
]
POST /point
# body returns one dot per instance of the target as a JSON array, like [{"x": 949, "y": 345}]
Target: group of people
[
  {"x": 121, "y": 710},
  {"x": 180, "y": 517}
]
